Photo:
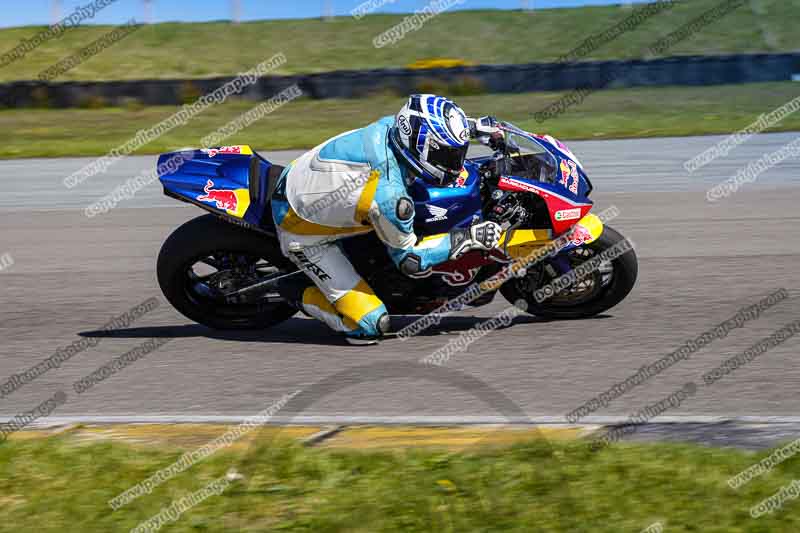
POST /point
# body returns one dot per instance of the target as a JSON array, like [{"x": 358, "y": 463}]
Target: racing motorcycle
[{"x": 221, "y": 269}]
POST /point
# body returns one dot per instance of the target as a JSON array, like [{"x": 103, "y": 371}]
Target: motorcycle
[{"x": 221, "y": 269}]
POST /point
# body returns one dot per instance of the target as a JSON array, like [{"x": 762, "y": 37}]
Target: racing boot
[
  {"x": 301, "y": 293},
  {"x": 360, "y": 337}
]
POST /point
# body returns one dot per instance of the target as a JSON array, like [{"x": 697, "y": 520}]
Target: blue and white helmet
[{"x": 431, "y": 134}]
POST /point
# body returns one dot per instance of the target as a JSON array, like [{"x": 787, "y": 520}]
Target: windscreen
[{"x": 529, "y": 158}]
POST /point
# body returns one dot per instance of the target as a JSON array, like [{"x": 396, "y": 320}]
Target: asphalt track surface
[{"x": 699, "y": 264}]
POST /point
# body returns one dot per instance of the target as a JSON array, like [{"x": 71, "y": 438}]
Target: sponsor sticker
[
  {"x": 438, "y": 213},
  {"x": 222, "y": 150},
  {"x": 311, "y": 267},
  {"x": 461, "y": 180},
  {"x": 580, "y": 235},
  {"x": 222, "y": 198},
  {"x": 569, "y": 170},
  {"x": 404, "y": 126},
  {"x": 518, "y": 185},
  {"x": 568, "y": 214}
]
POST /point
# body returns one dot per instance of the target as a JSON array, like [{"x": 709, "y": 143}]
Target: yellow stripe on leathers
[
  {"x": 367, "y": 195},
  {"x": 293, "y": 223},
  {"x": 358, "y": 302},
  {"x": 431, "y": 241},
  {"x": 313, "y": 296}
]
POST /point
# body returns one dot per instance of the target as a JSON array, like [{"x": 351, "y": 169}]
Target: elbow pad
[{"x": 411, "y": 265}]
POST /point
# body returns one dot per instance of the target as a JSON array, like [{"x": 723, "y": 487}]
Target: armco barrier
[{"x": 680, "y": 70}]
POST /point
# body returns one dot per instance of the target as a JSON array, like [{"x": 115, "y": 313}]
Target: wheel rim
[
  {"x": 581, "y": 292},
  {"x": 209, "y": 279}
]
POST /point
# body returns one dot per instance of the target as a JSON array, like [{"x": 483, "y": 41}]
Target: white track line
[{"x": 323, "y": 420}]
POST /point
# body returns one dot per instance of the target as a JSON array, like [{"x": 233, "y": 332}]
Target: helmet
[{"x": 431, "y": 134}]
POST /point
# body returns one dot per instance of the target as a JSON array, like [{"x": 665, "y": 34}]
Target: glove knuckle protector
[{"x": 484, "y": 235}]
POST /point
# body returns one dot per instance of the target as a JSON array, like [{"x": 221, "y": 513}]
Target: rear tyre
[
  {"x": 206, "y": 258},
  {"x": 598, "y": 292}
]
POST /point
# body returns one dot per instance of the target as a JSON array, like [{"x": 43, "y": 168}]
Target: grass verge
[
  {"x": 201, "y": 50},
  {"x": 63, "y": 483},
  {"x": 623, "y": 113}
]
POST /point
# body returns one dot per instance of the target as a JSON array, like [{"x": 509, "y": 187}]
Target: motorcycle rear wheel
[
  {"x": 594, "y": 294},
  {"x": 206, "y": 258}
]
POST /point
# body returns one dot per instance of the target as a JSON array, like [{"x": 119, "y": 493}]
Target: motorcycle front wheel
[{"x": 591, "y": 295}]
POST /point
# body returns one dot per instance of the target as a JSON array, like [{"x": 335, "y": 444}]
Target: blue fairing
[
  {"x": 241, "y": 176},
  {"x": 457, "y": 205}
]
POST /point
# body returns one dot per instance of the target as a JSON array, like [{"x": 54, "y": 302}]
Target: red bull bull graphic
[
  {"x": 463, "y": 270},
  {"x": 228, "y": 150},
  {"x": 223, "y": 199},
  {"x": 580, "y": 235}
]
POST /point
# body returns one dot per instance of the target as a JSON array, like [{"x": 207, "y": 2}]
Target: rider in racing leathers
[{"x": 357, "y": 183}]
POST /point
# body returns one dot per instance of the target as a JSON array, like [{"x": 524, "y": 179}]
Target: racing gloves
[
  {"x": 481, "y": 236},
  {"x": 486, "y": 131},
  {"x": 479, "y": 127}
]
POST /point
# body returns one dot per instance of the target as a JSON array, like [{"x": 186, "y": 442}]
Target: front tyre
[
  {"x": 597, "y": 292},
  {"x": 206, "y": 259}
]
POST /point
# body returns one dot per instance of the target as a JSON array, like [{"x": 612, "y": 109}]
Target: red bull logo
[
  {"x": 569, "y": 170},
  {"x": 580, "y": 235},
  {"x": 223, "y": 199},
  {"x": 461, "y": 181},
  {"x": 463, "y": 270},
  {"x": 222, "y": 150}
]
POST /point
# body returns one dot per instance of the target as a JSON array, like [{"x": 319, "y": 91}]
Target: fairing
[{"x": 230, "y": 181}]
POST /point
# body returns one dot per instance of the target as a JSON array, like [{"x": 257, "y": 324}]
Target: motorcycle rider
[{"x": 358, "y": 182}]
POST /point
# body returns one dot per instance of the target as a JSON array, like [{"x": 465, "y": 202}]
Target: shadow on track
[{"x": 297, "y": 330}]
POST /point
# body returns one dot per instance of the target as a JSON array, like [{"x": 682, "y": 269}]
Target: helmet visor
[{"x": 448, "y": 158}]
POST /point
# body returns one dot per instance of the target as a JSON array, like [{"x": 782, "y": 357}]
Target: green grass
[
  {"x": 643, "y": 112},
  {"x": 60, "y": 484},
  {"x": 178, "y": 50}
]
